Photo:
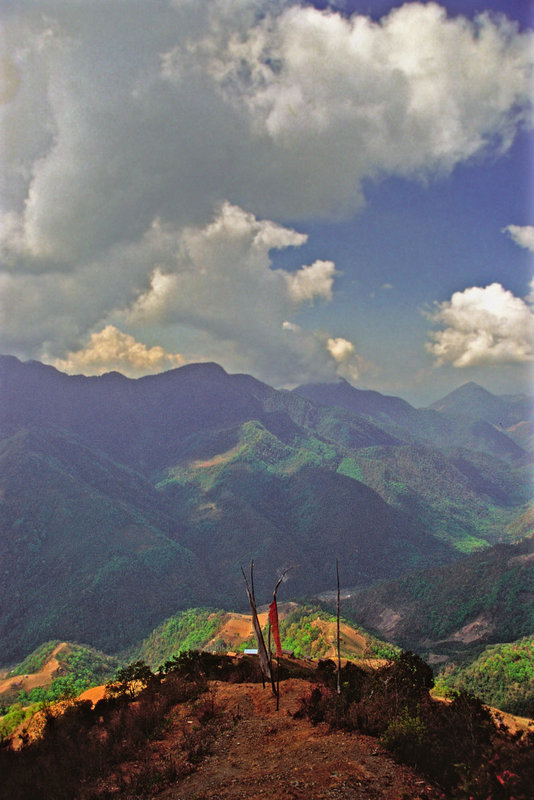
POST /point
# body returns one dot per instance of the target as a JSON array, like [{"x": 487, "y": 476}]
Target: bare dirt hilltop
[
  {"x": 262, "y": 753},
  {"x": 44, "y": 677}
]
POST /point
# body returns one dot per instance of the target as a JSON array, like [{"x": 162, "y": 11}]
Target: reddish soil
[
  {"x": 262, "y": 753},
  {"x": 42, "y": 678},
  {"x": 94, "y": 694},
  {"x": 351, "y": 641},
  {"x": 237, "y": 628}
]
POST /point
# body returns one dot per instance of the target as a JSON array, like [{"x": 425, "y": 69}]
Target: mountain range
[{"x": 124, "y": 500}]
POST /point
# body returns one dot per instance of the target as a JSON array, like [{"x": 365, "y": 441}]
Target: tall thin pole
[
  {"x": 254, "y": 600},
  {"x": 252, "y": 581},
  {"x": 278, "y": 683},
  {"x": 266, "y": 670},
  {"x": 338, "y": 636}
]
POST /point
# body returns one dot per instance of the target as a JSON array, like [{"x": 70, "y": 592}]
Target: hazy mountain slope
[
  {"x": 155, "y": 421},
  {"x": 466, "y": 499},
  {"x": 93, "y": 552},
  {"x": 503, "y": 410},
  {"x": 511, "y": 414},
  {"x": 482, "y": 599},
  {"x": 286, "y": 505},
  {"x": 358, "y": 401},
  {"x": 85, "y": 546},
  {"x": 140, "y": 423},
  {"x": 424, "y": 425},
  {"x": 124, "y": 500}
]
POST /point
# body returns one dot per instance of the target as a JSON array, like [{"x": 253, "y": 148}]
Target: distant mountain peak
[
  {"x": 461, "y": 399},
  {"x": 473, "y": 400}
]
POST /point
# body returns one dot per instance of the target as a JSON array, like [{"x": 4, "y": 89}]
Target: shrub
[
  {"x": 456, "y": 744},
  {"x": 130, "y": 680},
  {"x": 406, "y": 737}
]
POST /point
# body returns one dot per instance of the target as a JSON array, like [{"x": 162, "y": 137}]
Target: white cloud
[
  {"x": 341, "y": 349},
  {"x": 123, "y": 116},
  {"x": 523, "y": 235},
  {"x": 111, "y": 349},
  {"x": 350, "y": 364},
  {"x": 124, "y": 130},
  {"x": 415, "y": 94},
  {"x": 219, "y": 275},
  {"x": 483, "y": 326},
  {"x": 219, "y": 280},
  {"x": 311, "y": 282}
]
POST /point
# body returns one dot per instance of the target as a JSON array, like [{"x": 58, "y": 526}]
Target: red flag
[{"x": 273, "y": 619}]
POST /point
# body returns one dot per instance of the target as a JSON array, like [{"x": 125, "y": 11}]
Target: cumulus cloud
[
  {"x": 124, "y": 131},
  {"x": 219, "y": 276},
  {"x": 311, "y": 282},
  {"x": 218, "y": 279},
  {"x": 483, "y": 326},
  {"x": 111, "y": 349},
  {"x": 208, "y": 101},
  {"x": 350, "y": 364},
  {"x": 340, "y": 349},
  {"x": 413, "y": 94},
  {"x": 523, "y": 235}
]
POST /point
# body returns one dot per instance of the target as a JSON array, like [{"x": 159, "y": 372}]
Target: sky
[{"x": 302, "y": 192}]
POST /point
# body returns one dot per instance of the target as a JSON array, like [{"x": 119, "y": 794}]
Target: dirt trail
[
  {"x": 272, "y": 755},
  {"x": 43, "y": 677}
]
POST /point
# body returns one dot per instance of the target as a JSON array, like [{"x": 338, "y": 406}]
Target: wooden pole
[
  {"x": 278, "y": 683},
  {"x": 252, "y": 581},
  {"x": 254, "y": 600},
  {"x": 338, "y": 635},
  {"x": 266, "y": 670},
  {"x": 280, "y": 579}
]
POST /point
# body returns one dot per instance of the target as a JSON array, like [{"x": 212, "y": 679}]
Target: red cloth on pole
[{"x": 273, "y": 619}]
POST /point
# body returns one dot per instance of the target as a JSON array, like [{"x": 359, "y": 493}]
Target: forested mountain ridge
[
  {"x": 459, "y": 420},
  {"x": 454, "y": 611},
  {"x": 125, "y": 500}
]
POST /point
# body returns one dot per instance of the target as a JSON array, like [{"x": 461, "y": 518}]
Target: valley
[{"x": 125, "y": 500}]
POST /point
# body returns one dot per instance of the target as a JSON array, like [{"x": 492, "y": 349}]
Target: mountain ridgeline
[{"x": 123, "y": 501}]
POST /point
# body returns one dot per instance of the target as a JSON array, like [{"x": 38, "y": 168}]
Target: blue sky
[{"x": 301, "y": 193}]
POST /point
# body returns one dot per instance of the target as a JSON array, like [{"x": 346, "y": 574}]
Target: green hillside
[
  {"x": 78, "y": 668},
  {"x": 465, "y": 499},
  {"x": 277, "y": 504},
  {"x": 86, "y": 547},
  {"x": 502, "y": 676},
  {"x": 187, "y": 630},
  {"x": 454, "y": 611}
]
